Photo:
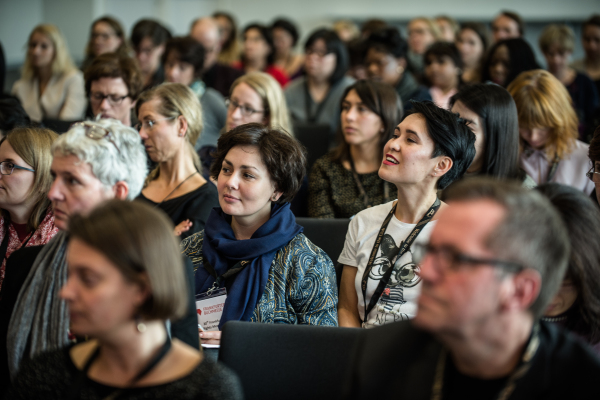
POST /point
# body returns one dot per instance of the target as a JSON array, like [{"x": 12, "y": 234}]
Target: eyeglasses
[
  {"x": 449, "y": 259},
  {"x": 103, "y": 36},
  {"x": 113, "y": 100},
  {"x": 593, "y": 175},
  {"x": 7, "y": 168},
  {"x": 246, "y": 111},
  {"x": 149, "y": 124},
  {"x": 97, "y": 132},
  {"x": 319, "y": 53}
]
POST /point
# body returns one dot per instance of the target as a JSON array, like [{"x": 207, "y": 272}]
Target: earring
[
  {"x": 140, "y": 326},
  {"x": 400, "y": 69}
]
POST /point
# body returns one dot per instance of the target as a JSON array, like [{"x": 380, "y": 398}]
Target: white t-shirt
[{"x": 399, "y": 299}]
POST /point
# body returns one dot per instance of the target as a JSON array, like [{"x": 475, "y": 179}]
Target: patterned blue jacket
[{"x": 301, "y": 287}]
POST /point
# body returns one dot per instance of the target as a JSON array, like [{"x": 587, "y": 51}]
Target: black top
[
  {"x": 195, "y": 206},
  {"x": 157, "y": 78},
  {"x": 220, "y": 77},
  {"x": 51, "y": 375}
]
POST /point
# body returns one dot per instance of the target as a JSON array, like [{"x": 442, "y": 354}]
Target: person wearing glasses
[
  {"x": 594, "y": 172},
  {"x": 113, "y": 84},
  {"x": 551, "y": 151},
  {"x": 51, "y": 87},
  {"x": 149, "y": 38},
  {"x": 106, "y": 36},
  {"x": 494, "y": 261},
  {"x": 429, "y": 149},
  {"x": 170, "y": 122}
]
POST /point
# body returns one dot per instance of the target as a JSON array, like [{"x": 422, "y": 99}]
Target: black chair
[
  {"x": 316, "y": 138},
  {"x": 57, "y": 125},
  {"x": 291, "y": 361}
]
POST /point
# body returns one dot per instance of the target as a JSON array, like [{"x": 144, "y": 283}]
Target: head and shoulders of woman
[
  {"x": 506, "y": 60},
  {"x": 106, "y": 36}
]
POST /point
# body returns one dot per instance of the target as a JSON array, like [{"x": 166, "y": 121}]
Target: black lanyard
[
  {"x": 307, "y": 98},
  {"x": 361, "y": 189},
  {"x": 240, "y": 265},
  {"x": 403, "y": 248}
]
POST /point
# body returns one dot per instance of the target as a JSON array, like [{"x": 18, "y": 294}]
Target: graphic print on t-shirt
[{"x": 404, "y": 275}]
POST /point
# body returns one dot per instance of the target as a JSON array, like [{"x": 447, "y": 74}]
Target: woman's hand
[
  {"x": 183, "y": 226},
  {"x": 209, "y": 337}
]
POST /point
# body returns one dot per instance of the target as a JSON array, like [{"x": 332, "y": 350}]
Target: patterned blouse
[
  {"x": 332, "y": 190},
  {"x": 301, "y": 287}
]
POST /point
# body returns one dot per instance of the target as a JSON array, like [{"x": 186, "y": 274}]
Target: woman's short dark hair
[
  {"x": 188, "y": 50},
  {"x": 283, "y": 155},
  {"x": 357, "y": 50},
  {"x": 114, "y": 65},
  {"x": 267, "y": 36},
  {"x": 149, "y": 28},
  {"x": 500, "y": 122},
  {"x": 594, "y": 149},
  {"x": 388, "y": 41},
  {"x": 521, "y": 59},
  {"x": 481, "y": 31},
  {"x": 381, "y": 99},
  {"x": 334, "y": 45},
  {"x": 594, "y": 20},
  {"x": 287, "y": 26},
  {"x": 441, "y": 49},
  {"x": 451, "y": 136},
  {"x": 582, "y": 219},
  {"x": 517, "y": 18}
]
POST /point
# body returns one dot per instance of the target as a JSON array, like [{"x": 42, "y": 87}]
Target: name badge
[{"x": 209, "y": 308}]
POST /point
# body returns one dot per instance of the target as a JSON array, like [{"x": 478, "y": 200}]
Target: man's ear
[
  {"x": 121, "y": 190},
  {"x": 524, "y": 290}
]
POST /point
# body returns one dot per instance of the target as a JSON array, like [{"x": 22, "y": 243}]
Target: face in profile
[
  {"x": 500, "y": 66},
  {"x": 245, "y": 106},
  {"x": 104, "y": 39},
  {"x": 16, "y": 195},
  {"x": 40, "y": 50},
  {"x": 475, "y": 124},
  {"x": 163, "y": 137}
]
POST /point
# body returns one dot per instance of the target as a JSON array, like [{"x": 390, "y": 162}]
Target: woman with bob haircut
[
  {"x": 443, "y": 71},
  {"x": 506, "y": 60},
  {"x": 286, "y": 279},
  {"x": 170, "y": 122},
  {"x": 346, "y": 181},
  {"x": 27, "y": 216},
  {"x": 285, "y": 37},
  {"x": 50, "y": 85},
  {"x": 126, "y": 279},
  {"x": 472, "y": 40},
  {"x": 106, "y": 36},
  {"x": 315, "y": 98},
  {"x": 550, "y": 151},
  {"x": 576, "y": 306},
  {"x": 380, "y": 283}
]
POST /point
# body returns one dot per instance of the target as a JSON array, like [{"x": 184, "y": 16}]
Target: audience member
[
  {"x": 184, "y": 62},
  {"x": 50, "y": 84},
  {"x": 2, "y": 68},
  {"x": 149, "y": 38},
  {"x": 506, "y": 60},
  {"x": 557, "y": 43},
  {"x": 346, "y": 30},
  {"x": 443, "y": 69},
  {"x": 548, "y": 130},
  {"x": 357, "y": 49},
  {"x": 113, "y": 84},
  {"x": 215, "y": 74},
  {"x": 594, "y": 173},
  {"x": 488, "y": 271},
  {"x": 387, "y": 62},
  {"x": 380, "y": 284},
  {"x": 288, "y": 280},
  {"x": 371, "y": 26},
  {"x": 590, "y": 38},
  {"x": 285, "y": 37},
  {"x": 508, "y": 25},
  {"x": 259, "y": 53},
  {"x": 472, "y": 41},
  {"x": 12, "y": 115},
  {"x": 170, "y": 122},
  {"x": 123, "y": 285},
  {"x": 315, "y": 97},
  {"x": 576, "y": 306},
  {"x": 230, "y": 45},
  {"x": 422, "y": 33},
  {"x": 106, "y": 36},
  {"x": 346, "y": 181},
  {"x": 448, "y": 28}
]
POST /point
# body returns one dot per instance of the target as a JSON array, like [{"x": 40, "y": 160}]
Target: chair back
[{"x": 316, "y": 138}]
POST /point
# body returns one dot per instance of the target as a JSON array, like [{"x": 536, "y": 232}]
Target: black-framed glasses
[
  {"x": 97, "y": 132},
  {"x": 7, "y": 168},
  {"x": 246, "y": 111},
  {"x": 593, "y": 175},
  {"x": 113, "y": 100},
  {"x": 447, "y": 258},
  {"x": 149, "y": 123}
]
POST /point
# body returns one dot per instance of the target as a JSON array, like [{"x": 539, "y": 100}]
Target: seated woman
[
  {"x": 170, "y": 122},
  {"x": 287, "y": 278},
  {"x": 491, "y": 114},
  {"x": 285, "y": 38},
  {"x": 106, "y": 36},
  {"x": 346, "y": 181},
  {"x": 184, "y": 62},
  {"x": 443, "y": 69},
  {"x": 387, "y": 62},
  {"x": 576, "y": 306},
  {"x": 50, "y": 86},
  {"x": 380, "y": 284},
  {"x": 548, "y": 130},
  {"x": 422, "y": 33},
  {"x": 123, "y": 285},
  {"x": 590, "y": 36},
  {"x": 315, "y": 97},
  {"x": 506, "y": 60},
  {"x": 472, "y": 41},
  {"x": 230, "y": 45},
  {"x": 149, "y": 38},
  {"x": 27, "y": 217},
  {"x": 258, "y": 53}
]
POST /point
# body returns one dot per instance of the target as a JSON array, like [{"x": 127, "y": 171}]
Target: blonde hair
[
  {"x": 176, "y": 100},
  {"x": 34, "y": 146},
  {"x": 346, "y": 25},
  {"x": 557, "y": 34},
  {"x": 61, "y": 62},
  {"x": 272, "y": 97},
  {"x": 431, "y": 24},
  {"x": 544, "y": 102}
]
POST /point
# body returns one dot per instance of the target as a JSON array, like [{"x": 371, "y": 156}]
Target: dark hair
[
  {"x": 113, "y": 65},
  {"x": 334, "y": 45},
  {"x": 388, "y": 41},
  {"x": 287, "y": 26},
  {"x": 381, "y": 99},
  {"x": 521, "y": 59},
  {"x": 481, "y": 31},
  {"x": 12, "y": 115},
  {"x": 582, "y": 219},
  {"x": 188, "y": 50},
  {"x": 283, "y": 155},
  {"x": 372, "y": 25},
  {"x": 594, "y": 149},
  {"x": 234, "y": 30},
  {"x": 267, "y": 36},
  {"x": 499, "y": 119},
  {"x": 357, "y": 50},
  {"x": 451, "y": 136},
  {"x": 441, "y": 49},
  {"x": 593, "y": 20},
  {"x": 148, "y": 28},
  {"x": 515, "y": 17}
]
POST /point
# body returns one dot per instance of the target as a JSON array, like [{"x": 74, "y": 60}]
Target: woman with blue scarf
[{"x": 252, "y": 246}]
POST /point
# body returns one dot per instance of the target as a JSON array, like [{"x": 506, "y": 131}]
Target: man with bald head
[{"x": 216, "y": 75}]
